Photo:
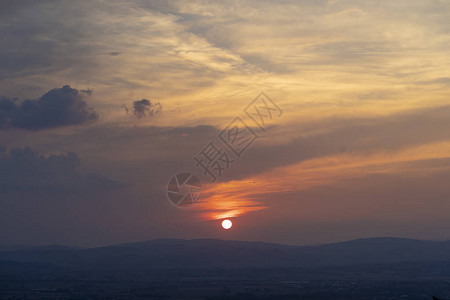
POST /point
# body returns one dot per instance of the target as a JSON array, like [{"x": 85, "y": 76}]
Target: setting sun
[{"x": 226, "y": 224}]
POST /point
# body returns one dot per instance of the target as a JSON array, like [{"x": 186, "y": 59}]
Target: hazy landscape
[{"x": 377, "y": 268}]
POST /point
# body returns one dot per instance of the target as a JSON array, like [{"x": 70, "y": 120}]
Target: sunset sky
[{"x": 361, "y": 148}]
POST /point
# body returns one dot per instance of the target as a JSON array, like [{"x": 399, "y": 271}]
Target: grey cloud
[
  {"x": 390, "y": 134},
  {"x": 165, "y": 150},
  {"x": 351, "y": 51},
  {"x": 57, "y": 108},
  {"x": 22, "y": 169},
  {"x": 35, "y": 46},
  {"x": 162, "y": 6},
  {"x": 147, "y": 155},
  {"x": 439, "y": 81},
  {"x": 267, "y": 64},
  {"x": 12, "y": 6},
  {"x": 141, "y": 107},
  {"x": 144, "y": 107}
]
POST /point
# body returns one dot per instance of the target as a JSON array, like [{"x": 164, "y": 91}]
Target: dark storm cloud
[
  {"x": 59, "y": 107},
  {"x": 23, "y": 169}
]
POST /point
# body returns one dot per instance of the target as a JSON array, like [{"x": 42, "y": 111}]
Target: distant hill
[{"x": 209, "y": 253}]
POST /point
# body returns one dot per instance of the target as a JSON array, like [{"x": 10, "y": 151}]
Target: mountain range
[{"x": 210, "y": 253}]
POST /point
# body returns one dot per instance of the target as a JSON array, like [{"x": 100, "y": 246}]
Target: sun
[{"x": 226, "y": 224}]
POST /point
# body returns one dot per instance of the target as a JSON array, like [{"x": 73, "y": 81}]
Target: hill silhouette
[{"x": 210, "y": 253}]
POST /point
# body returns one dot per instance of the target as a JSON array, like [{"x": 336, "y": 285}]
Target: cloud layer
[
  {"x": 24, "y": 170},
  {"x": 59, "y": 107}
]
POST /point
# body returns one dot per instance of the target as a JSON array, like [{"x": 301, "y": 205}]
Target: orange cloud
[{"x": 236, "y": 198}]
